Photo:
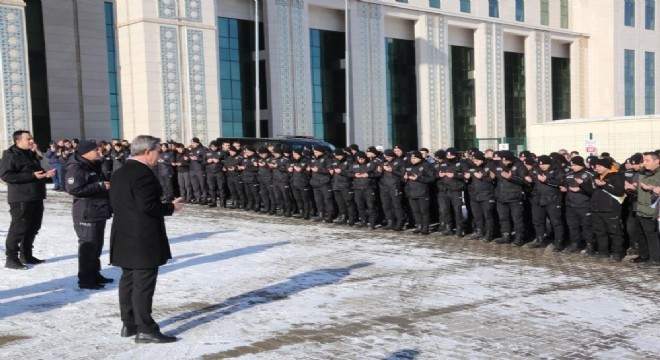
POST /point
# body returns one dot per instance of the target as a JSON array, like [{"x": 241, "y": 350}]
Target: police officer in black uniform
[
  {"x": 547, "y": 179},
  {"x": 91, "y": 209},
  {"x": 481, "y": 188},
  {"x": 418, "y": 175},
  {"x": 578, "y": 215},
  {"x": 342, "y": 187},
  {"x": 451, "y": 175},
  {"x": 197, "y": 173},
  {"x": 165, "y": 172},
  {"x": 364, "y": 175},
  {"x": 182, "y": 164},
  {"x": 215, "y": 177},
  {"x": 282, "y": 181},
  {"x": 510, "y": 174},
  {"x": 633, "y": 226},
  {"x": 391, "y": 190},
  {"x": 249, "y": 176},
  {"x": 300, "y": 183},
  {"x": 320, "y": 181},
  {"x": 265, "y": 176},
  {"x": 233, "y": 174},
  {"x": 119, "y": 155}
]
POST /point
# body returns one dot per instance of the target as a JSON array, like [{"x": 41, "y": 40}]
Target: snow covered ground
[{"x": 249, "y": 286}]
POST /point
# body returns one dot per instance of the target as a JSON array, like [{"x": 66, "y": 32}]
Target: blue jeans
[{"x": 57, "y": 179}]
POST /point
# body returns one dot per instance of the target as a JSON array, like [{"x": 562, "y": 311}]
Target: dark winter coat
[
  {"x": 609, "y": 197},
  {"x": 138, "y": 239},
  {"x": 419, "y": 188},
  {"x": 17, "y": 169},
  {"x": 84, "y": 181}
]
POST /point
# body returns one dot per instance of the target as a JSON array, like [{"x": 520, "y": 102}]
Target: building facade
[{"x": 433, "y": 73}]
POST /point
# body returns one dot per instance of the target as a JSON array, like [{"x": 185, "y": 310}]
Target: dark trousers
[
  {"x": 511, "y": 211},
  {"x": 26, "y": 220},
  {"x": 444, "y": 206},
  {"x": 198, "y": 181},
  {"x": 483, "y": 212},
  {"x": 283, "y": 196},
  {"x": 553, "y": 212},
  {"x": 365, "y": 201},
  {"x": 303, "y": 197},
  {"x": 420, "y": 210},
  {"x": 456, "y": 205},
  {"x": 608, "y": 233},
  {"x": 252, "y": 196},
  {"x": 236, "y": 189},
  {"x": 165, "y": 181},
  {"x": 578, "y": 221},
  {"x": 185, "y": 189},
  {"x": 345, "y": 203},
  {"x": 136, "y": 294},
  {"x": 645, "y": 231},
  {"x": 392, "y": 204},
  {"x": 90, "y": 246},
  {"x": 216, "y": 183},
  {"x": 323, "y": 198},
  {"x": 267, "y": 196}
]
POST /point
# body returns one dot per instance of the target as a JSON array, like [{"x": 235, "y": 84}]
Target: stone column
[
  {"x": 14, "y": 72},
  {"x": 433, "y": 82},
  {"x": 287, "y": 34},
  {"x": 169, "y": 77},
  {"x": 368, "y": 74},
  {"x": 538, "y": 80},
  {"x": 579, "y": 51},
  {"x": 489, "y": 81}
]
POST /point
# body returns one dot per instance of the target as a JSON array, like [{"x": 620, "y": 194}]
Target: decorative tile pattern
[
  {"x": 194, "y": 11},
  {"x": 300, "y": 73},
  {"x": 547, "y": 84},
  {"x": 444, "y": 79},
  {"x": 167, "y": 9},
  {"x": 490, "y": 79},
  {"x": 364, "y": 115},
  {"x": 498, "y": 131},
  {"x": 378, "y": 75},
  {"x": 582, "y": 76},
  {"x": 197, "y": 83},
  {"x": 431, "y": 42},
  {"x": 169, "y": 53},
  {"x": 284, "y": 33},
  {"x": 539, "y": 76},
  {"x": 13, "y": 76}
]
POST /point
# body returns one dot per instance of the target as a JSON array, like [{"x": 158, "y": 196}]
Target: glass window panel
[
  {"x": 233, "y": 28},
  {"x": 225, "y": 70},
  {"x": 236, "y": 89},
  {"x": 233, "y": 44},
  {"x": 225, "y": 89},
  {"x": 235, "y": 71},
  {"x": 520, "y": 10},
  {"x": 545, "y": 12},
  {"x": 237, "y": 104},
  {"x": 649, "y": 83},
  {"x": 223, "y": 27},
  {"x": 227, "y": 128},
  {"x": 465, "y": 6},
  {"x": 238, "y": 115},
  {"x": 650, "y": 15},
  {"x": 493, "y": 8},
  {"x": 629, "y": 81},
  {"x": 234, "y": 55},
  {"x": 564, "y": 14},
  {"x": 224, "y": 43},
  {"x": 434, "y": 4},
  {"x": 224, "y": 55},
  {"x": 629, "y": 13}
]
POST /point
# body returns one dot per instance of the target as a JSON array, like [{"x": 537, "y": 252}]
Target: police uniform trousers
[
  {"x": 578, "y": 221},
  {"x": 283, "y": 196},
  {"x": 608, "y": 233},
  {"x": 252, "y": 197},
  {"x": 216, "y": 184},
  {"x": 323, "y": 197},
  {"x": 136, "y": 293},
  {"x": 345, "y": 204},
  {"x": 553, "y": 212},
  {"x": 391, "y": 198},
  {"x": 444, "y": 205},
  {"x": 303, "y": 197},
  {"x": 482, "y": 212},
  {"x": 511, "y": 211},
  {"x": 90, "y": 246},
  {"x": 235, "y": 188},
  {"x": 26, "y": 220},
  {"x": 165, "y": 181},
  {"x": 455, "y": 198},
  {"x": 420, "y": 211},
  {"x": 365, "y": 199},
  {"x": 185, "y": 188},
  {"x": 267, "y": 196},
  {"x": 198, "y": 181}
]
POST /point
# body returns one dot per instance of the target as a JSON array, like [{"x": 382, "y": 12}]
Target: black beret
[
  {"x": 636, "y": 159},
  {"x": 416, "y": 154},
  {"x": 507, "y": 155},
  {"x": 372, "y": 149},
  {"x": 87, "y": 146},
  {"x": 233, "y": 148},
  {"x": 277, "y": 149},
  {"x": 478, "y": 155},
  {"x": 339, "y": 152},
  {"x": 424, "y": 149},
  {"x": 525, "y": 154},
  {"x": 440, "y": 154},
  {"x": 262, "y": 150},
  {"x": 606, "y": 163},
  {"x": 249, "y": 148},
  {"x": 195, "y": 140},
  {"x": 529, "y": 161},
  {"x": 361, "y": 155},
  {"x": 452, "y": 151},
  {"x": 318, "y": 148},
  {"x": 389, "y": 152},
  {"x": 577, "y": 160},
  {"x": 354, "y": 147}
]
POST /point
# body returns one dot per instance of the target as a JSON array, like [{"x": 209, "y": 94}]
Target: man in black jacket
[
  {"x": 510, "y": 174},
  {"x": 547, "y": 180},
  {"x": 418, "y": 175},
  {"x": 578, "y": 215},
  {"x": 138, "y": 241},
  {"x": 26, "y": 181},
  {"x": 391, "y": 190},
  {"x": 91, "y": 209}
]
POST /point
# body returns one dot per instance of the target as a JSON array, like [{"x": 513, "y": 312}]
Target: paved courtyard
[{"x": 243, "y": 285}]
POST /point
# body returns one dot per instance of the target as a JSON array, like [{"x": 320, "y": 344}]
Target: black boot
[
  {"x": 488, "y": 236},
  {"x": 459, "y": 232},
  {"x": 425, "y": 230},
  {"x": 505, "y": 239},
  {"x": 572, "y": 248},
  {"x": 478, "y": 234},
  {"x": 223, "y": 203},
  {"x": 389, "y": 225},
  {"x": 363, "y": 223},
  {"x": 13, "y": 262},
  {"x": 341, "y": 220},
  {"x": 26, "y": 256},
  {"x": 591, "y": 250},
  {"x": 203, "y": 202},
  {"x": 519, "y": 240},
  {"x": 398, "y": 226},
  {"x": 538, "y": 243},
  {"x": 212, "y": 204},
  {"x": 417, "y": 230},
  {"x": 447, "y": 230},
  {"x": 558, "y": 246},
  {"x": 319, "y": 218}
]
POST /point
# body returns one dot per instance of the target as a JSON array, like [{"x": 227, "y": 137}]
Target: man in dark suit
[{"x": 138, "y": 241}]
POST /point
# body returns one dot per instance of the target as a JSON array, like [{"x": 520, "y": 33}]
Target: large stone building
[{"x": 542, "y": 74}]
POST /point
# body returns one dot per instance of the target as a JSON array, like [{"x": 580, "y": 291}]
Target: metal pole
[
  {"x": 347, "y": 63},
  {"x": 257, "y": 107}
]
